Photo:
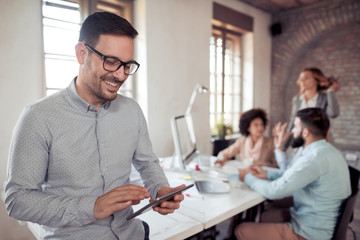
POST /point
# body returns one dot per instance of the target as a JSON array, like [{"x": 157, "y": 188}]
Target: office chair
[
  {"x": 345, "y": 218},
  {"x": 354, "y": 178},
  {"x": 347, "y": 208}
]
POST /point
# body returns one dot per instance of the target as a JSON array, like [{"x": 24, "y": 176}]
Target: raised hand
[
  {"x": 276, "y": 129},
  {"x": 279, "y": 131}
]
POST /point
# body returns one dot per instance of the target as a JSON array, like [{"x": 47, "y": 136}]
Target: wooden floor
[{"x": 10, "y": 229}]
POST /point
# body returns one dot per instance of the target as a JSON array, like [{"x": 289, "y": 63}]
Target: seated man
[{"x": 318, "y": 180}]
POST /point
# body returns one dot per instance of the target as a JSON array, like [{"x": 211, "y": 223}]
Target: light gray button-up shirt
[{"x": 64, "y": 155}]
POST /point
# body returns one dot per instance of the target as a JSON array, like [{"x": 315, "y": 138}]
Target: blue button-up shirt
[
  {"x": 319, "y": 181},
  {"x": 64, "y": 155},
  {"x": 285, "y": 162}
]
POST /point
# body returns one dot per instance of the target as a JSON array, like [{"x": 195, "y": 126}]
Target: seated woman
[{"x": 254, "y": 145}]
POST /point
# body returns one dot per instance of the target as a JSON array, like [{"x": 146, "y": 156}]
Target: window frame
[{"x": 215, "y": 120}]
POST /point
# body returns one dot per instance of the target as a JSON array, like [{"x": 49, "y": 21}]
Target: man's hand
[
  {"x": 118, "y": 199},
  {"x": 280, "y": 134},
  {"x": 242, "y": 173},
  {"x": 258, "y": 172},
  {"x": 172, "y": 204}
]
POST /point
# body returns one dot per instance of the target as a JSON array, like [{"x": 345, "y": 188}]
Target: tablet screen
[{"x": 158, "y": 201}]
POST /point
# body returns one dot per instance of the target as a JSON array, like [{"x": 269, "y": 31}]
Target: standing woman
[
  {"x": 254, "y": 145},
  {"x": 316, "y": 90}
]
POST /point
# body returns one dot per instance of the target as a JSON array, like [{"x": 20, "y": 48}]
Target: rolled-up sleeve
[{"x": 296, "y": 177}]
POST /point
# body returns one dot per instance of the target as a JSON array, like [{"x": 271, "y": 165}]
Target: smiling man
[
  {"x": 318, "y": 180},
  {"x": 71, "y": 153}
]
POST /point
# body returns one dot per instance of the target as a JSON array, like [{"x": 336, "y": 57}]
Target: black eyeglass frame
[{"x": 104, "y": 57}]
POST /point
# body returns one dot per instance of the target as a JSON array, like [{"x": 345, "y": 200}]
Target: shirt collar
[
  {"x": 81, "y": 103},
  {"x": 310, "y": 103},
  {"x": 314, "y": 145}
]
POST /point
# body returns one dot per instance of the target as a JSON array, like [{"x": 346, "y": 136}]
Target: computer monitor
[{"x": 184, "y": 140}]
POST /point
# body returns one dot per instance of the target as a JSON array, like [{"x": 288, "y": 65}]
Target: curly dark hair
[{"x": 248, "y": 116}]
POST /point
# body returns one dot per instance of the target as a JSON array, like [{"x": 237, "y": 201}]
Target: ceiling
[{"x": 274, "y": 6}]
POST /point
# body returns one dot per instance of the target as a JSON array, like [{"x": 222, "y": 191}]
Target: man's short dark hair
[
  {"x": 314, "y": 119},
  {"x": 100, "y": 23},
  {"x": 248, "y": 116}
]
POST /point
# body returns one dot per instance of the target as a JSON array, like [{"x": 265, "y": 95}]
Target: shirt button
[{"x": 102, "y": 170}]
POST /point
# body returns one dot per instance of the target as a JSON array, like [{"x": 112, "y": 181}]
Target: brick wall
[{"x": 324, "y": 35}]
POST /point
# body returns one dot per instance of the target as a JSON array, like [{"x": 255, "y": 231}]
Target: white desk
[
  {"x": 173, "y": 226},
  {"x": 217, "y": 208},
  {"x": 211, "y": 209}
]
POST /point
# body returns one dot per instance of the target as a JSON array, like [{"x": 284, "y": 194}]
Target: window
[
  {"x": 61, "y": 26},
  {"x": 225, "y": 80}
]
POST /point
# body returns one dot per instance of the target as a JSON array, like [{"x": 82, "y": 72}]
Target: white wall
[
  {"x": 174, "y": 38},
  {"x": 177, "y": 37},
  {"x": 262, "y": 51},
  {"x": 177, "y": 34},
  {"x": 20, "y": 66}
]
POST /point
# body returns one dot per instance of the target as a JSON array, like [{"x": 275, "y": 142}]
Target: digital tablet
[{"x": 158, "y": 201}]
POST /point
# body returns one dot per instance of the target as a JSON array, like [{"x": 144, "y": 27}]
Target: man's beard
[
  {"x": 298, "y": 141},
  {"x": 101, "y": 95}
]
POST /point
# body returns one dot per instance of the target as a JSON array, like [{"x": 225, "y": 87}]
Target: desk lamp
[
  {"x": 197, "y": 89},
  {"x": 186, "y": 135}
]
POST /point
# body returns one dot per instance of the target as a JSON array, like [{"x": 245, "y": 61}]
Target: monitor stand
[{"x": 198, "y": 162}]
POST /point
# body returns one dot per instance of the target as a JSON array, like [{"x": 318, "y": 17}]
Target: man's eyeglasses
[{"x": 113, "y": 64}]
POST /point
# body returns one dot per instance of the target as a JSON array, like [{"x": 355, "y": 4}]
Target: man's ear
[
  {"x": 305, "y": 133},
  {"x": 80, "y": 51}
]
